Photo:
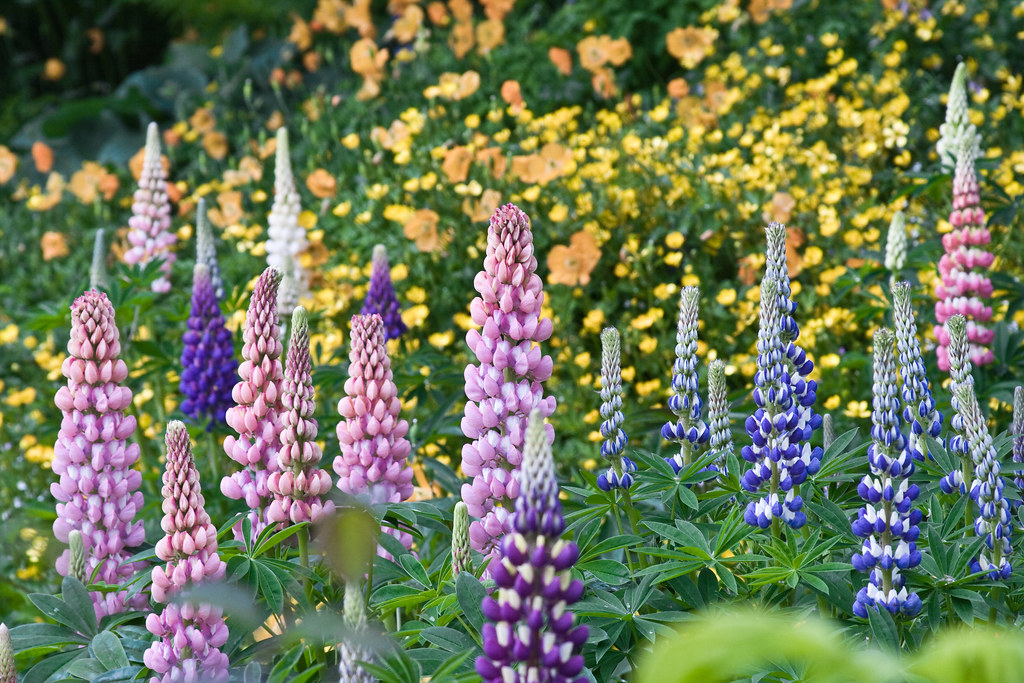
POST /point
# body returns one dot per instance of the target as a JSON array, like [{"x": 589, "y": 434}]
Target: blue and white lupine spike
[
  {"x": 718, "y": 414},
  {"x": 993, "y": 521},
  {"x": 206, "y": 248},
  {"x": 1017, "y": 429},
  {"x": 919, "y": 410},
  {"x": 619, "y": 473},
  {"x": 959, "y": 375},
  {"x": 896, "y": 244},
  {"x": 775, "y": 456},
  {"x": 689, "y": 430},
  {"x": 888, "y": 522}
]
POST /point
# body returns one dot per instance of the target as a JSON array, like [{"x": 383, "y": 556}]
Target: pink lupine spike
[
  {"x": 189, "y": 635},
  {"x": 92, "y": 455},
  {"x": 258, "y": 404},
  {"x": 299, "y": 484},
  {"x": 150, "y": 233},
  {"x": 505, "y": 385},
  {"x": 374, "y": 450}
]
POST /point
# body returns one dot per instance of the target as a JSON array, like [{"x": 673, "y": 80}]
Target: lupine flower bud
[
  {"x": 349, "y": 654},
  {"x": 380, "y": 297},
  {"x": 887, "y": 522},
  {"x": 529, "y": 634},
  {"x": 689, "y": 430},
  {"x": 286, "y": 239},
  {"x": 8, "y": 671},
  {"x": 828, "y": 431},
  {"x": 98, "y": 278},
  {"x": 718, "y": 413},
  {"x": 98, "y": 488},
  {"x": 255, "y": 415},
  {"x": 993, "y": 522},
  {"x": 206, "y": 248},
  {"x": 960, "y": 375},
  {"x": 150, "y": 235},
  {"x": 505, "y": 384},
  {"x": 188, "y": 635},
  {"x": 76, "y": 563},
  {"x": 299, "y": 485},
  {"x": 619, "y": 474},
  {"x": 1017, "y": 429},
  {"x": 896, "y": 244},
  {"x": 958, "y": 124},
  {"x": 919, "y": 411},
  {"x": 374, "y": 450},
  {"x": 462, "y": 561},
  {"x": 208, "y": 359}
]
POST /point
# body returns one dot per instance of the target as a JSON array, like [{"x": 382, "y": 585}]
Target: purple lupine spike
[
  {"x": 718, "y": 414},
  {"x": 98, "y": 488},
  {"x": 919, "y": 410},
  {"x": 257, "y": 397},
  {"x": 381, "y": 298},
  {"x": 505, "y": 384},
  {"x": 299, "y": 484},
  {"x": 888, "y": 521},
  {"x": 1017, "y": 429},
  {"x": 959, "y": 375},
  {"x": 8, "y": 670},
  {"x": 374, "y": 451},
  {"x": 963, "y": 283},
  {"x": 150, "y": 235},
  {"x": 208, "y": 359},
  {"x": 689, "y": 431},
  {"x": 620, "y": 471},
  {"x": 189, "y": 635},
  {"x": 993, "y": 521},
  {"x": 529, "y": 634}
]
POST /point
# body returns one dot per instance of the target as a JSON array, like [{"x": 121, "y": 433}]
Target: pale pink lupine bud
[
  {"x": 97, "y": 492},
  {"x": 150, "y": 234},
  {"x": 298, "y": 484},
  {"x": 505, "y": 385},
  {"x": 286, "y": 239},
  {"x": 255, "y": 415},
  {"x": 8, "y": 671},
  {"x": 374, "y": 450}
]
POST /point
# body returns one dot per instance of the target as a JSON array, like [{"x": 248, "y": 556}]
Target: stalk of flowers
[
  {"x": 993, "y": 521},
  {"x": 774, "y": 452},
  {"x": 98, "y": 489},
  {"x": 963, "y": 283},
  {"x": 959, "y": 375},
  {"x": 189, "y": 635},
  {"x": 828, "y": 431},
  {"x": 918, "y": 403},
  {"x": 896, "y": 245},
  {"x": 286, "y": 239},
  {"x": 298, "y": 484},
  {"x": 718, "y": 414},
  {"x": 380, "y": 297},
  {"x": 619, "y": 473},
  {"x": 505, "y": 384},
  {"x": 76, "y": 561},
  {"x": 374, "y": 450},
  {"x": 350, "y": 653},
  {"x": 8, "y": 670},
  {"x": 1017, "y": 429},
  {"x": 689, "y": 430},
  {"x": 257, "y": 397},
  {"x": 150, "y": 233},
  {"x": 462, "y": 561},
  {"x": 957, "y": 125},
  {"x": 208, "y": 359},
  {"x": 529, "y": 635},
  {"x": 888, "y": 522},
  {"x": 206, "y": 248},
  {"x": 98, "y": 278}
]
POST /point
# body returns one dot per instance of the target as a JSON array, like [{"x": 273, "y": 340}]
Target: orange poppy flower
[
  {"x": 690, "y": 45},
  {"x": 562, "y": 59},
  {"x": 330, "y": 16},
  {"x": 489, "y": 35},
  {"x": 42, "y": 155},
  {"x": 571, "y": 265},
  {"x": 367, "y": 59},
  {"x": 408, "y": 25},
  {"x": 718, "y": 97},
  {"x": 300, "y": 36},
  {"x": 456, "y": 163},
  {"x": 497, "y": 10},
  {"x": 513, "y": 95},
  {"x": 619, "y": 50},
  {"x": 108, "y": 186},
  {"x": 8, "y": 164},
  {"x": 678, "y": 87},
  {"x": 461, "y": 39},
  {"x": 85, "y": 182},
  {"x": 462, "y": 10},
  {"x": 228, "y": 210},
  {"x": 593, "y": 51},
  {"x": 438, "y": 13},
  {"x": 603, "y": 82},
  {"x": 358, "y": 17},
  {"x": 493, "y": 158},
  {"x": 421, "y": 228},
  {"x": 53, "y": 245},
  {"x": 468, "y": 84},
  {"x": 202, "y": 120},
  {"x": 322, "y": 184},
  {"x": 557, "y": 161},
  {"x": 311, "y": 61},
  {"x": 215, "y": 143},
  {"x": 480, "y": 210}
]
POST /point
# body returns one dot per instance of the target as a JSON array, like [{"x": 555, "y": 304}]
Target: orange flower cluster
[
  {"x": 368, "y": 61},
  {"x": 571, "y": 265},
  {"x": 453, "y": 86},
  {"x": 691, "y": 45},
  {"x": 551, "y": 162},
  {"x": 595, "y": 53}
]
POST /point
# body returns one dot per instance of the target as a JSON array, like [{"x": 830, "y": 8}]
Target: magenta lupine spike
[
  {"x": 505, "y": 384},
  {"x": 98, "y": 488},
  {"x": 255, "y": 415},
  {"x": 299, "y": 484},
  {"x": 189, "y": 635},
  {"x": 374, "y": 450},
  {"x": 150, "y": 234},
  {"x": 963, "y": 283}
]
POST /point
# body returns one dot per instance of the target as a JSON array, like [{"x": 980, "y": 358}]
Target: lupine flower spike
[
  {"x": 76, "y": 563},
  {"x": 98, "y": 278},
  {"x": 505, "y": 383},
  {"x": 380, "y": 297},
  {"x": 689, "y": 430},
  {"x": 959, "y": 375},
  {"x": 208, "y": 359},
  {"x": 619, "y": 473},
  {"x": 206, "y": 248},
  {"x": 957, "y": 126},
  {"x": 888, "y": 522},
  {"x": 286, "y": 239},
  {"x": 993, "y": 521},
  {"x": 374, "y": 450},
  {"x": 299, "y": 484},
  {"x": 1018, "y": 435},
  {"x": 963, "y": 284},
  {"x": 150, "y": 234},
  {"x": 718, "y": 414},
  {"x": 188, "y": 635},
  {"x": 257, "y": 397},
  {"x": 896, "y": 245},
  {"x": 529, "y": 635},
  {"x": 98, "y": 488},
  {"x": 462, "y": 561},
  {"x": 349, "y": 654},
  {"x": 8, "y": 671},
  {"x": 919, "y": 411}
]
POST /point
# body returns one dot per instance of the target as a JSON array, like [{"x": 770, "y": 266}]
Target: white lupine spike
[
  {"x": 896, "y": 244},
  {"x": 286, "y": 239},
  {"x": 957, "y": 125}
]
